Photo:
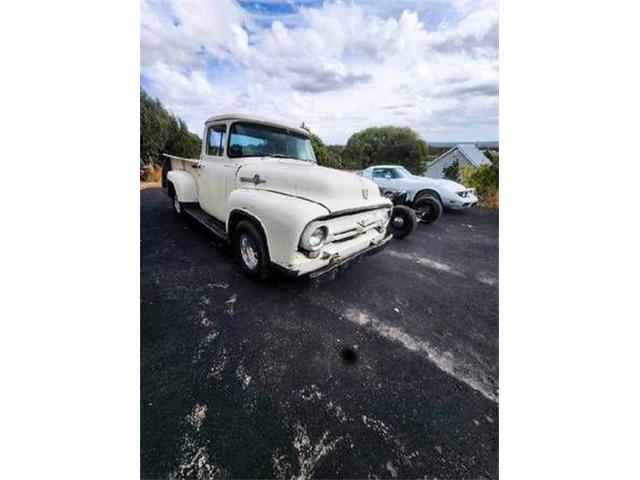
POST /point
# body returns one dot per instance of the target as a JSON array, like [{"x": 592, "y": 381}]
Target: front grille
[{"x": 349, "y": 226}]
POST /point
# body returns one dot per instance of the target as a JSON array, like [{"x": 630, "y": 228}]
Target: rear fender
[{"x": 184, "y": 185}]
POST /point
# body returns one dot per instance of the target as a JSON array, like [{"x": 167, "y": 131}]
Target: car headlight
[
  {"x": 317, "y": 237},
  {"x": 313, "y": 241}
]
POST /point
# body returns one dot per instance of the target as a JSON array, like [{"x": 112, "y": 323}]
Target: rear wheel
[
  {"x": 403, "y": 221},
  {"x": 251, "y": 250},
  {"x": 428, "y": 208}
]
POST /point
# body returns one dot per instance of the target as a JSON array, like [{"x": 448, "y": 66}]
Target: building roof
[
  {"x": 253, "y": 118},
  {"x": 473, "y": 155}
]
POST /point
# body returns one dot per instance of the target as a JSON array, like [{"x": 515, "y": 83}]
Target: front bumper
[
  {"x": 461, "y": 203},
  {"x": 340, "y": 263},
  {"x": 337, "y": 257}
]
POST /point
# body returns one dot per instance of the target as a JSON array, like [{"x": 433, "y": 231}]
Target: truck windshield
[{"x": 257, "y": 140}]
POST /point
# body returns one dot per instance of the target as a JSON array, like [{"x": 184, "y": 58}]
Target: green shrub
[{"x": 485, "y": 179}]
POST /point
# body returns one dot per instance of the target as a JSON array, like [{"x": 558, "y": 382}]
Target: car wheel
[
  {"x": 403, "y": 221},
  {"x": 251, "y": 250},
  {"x": 428, "y": 208}
]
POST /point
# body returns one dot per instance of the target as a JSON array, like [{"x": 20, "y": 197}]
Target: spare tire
[
  {"x": 428, "y": 208},
  {"x": 403, "y": 221}
]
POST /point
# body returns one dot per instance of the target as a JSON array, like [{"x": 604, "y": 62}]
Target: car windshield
[
  {"x": 258, "y": 140},
  {"x": 391, "y": 172}
]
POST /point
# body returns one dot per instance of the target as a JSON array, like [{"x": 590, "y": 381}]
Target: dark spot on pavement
[{"x": 349, "y": 355}]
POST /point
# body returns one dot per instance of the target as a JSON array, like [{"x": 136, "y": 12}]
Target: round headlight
[{"x": 317, "y": 237}]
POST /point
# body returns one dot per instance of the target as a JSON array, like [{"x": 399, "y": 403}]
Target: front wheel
[
  {"x": 403, "y": 221},
  {"x": 251, "y": 250},
  {"x": 428, "y": 208}
]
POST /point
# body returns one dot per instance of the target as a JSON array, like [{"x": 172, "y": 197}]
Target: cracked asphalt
[{"x": 246, "y": 380}]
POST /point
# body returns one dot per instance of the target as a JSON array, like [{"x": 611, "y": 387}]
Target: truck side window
[{"x": 215, "y": 136}]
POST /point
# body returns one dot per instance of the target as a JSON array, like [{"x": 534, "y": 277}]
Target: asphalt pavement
[{"x": 388, "y": 371}]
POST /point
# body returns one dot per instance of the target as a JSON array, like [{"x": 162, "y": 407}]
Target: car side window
[
  {"x": 379, "y": 172},
  {"x": 215, "y": 137}
]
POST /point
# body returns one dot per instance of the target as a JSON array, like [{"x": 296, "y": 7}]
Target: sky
[{"x": 337, "y": 66}]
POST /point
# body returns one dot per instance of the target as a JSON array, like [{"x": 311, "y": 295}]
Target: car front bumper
[{"x": 461, "y": 203}]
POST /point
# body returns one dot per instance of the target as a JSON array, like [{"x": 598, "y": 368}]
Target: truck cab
[{"x": 257, "y": 185}]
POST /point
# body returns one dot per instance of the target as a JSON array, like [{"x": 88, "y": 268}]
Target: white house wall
[{"x": 437, "y": 170}]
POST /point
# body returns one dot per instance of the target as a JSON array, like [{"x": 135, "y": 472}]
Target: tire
[
  {"x": 250, "y": 249},
  {"x": 428, "y": 208},
  {"x": 403, "y": 221}
]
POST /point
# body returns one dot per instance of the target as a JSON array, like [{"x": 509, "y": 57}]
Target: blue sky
[{"x": 338, "y": 66}]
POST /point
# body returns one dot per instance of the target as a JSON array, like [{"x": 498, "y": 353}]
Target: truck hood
[{"x": 336, "y": 190}]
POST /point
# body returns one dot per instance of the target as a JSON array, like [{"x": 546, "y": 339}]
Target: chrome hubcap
[
  {"x": 423, "y": 212},
  {"x": 398, "y": 222},
  {"x": 248, "y": 251}
]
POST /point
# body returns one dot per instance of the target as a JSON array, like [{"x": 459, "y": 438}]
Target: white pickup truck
[{"x": 257, "y": 186}]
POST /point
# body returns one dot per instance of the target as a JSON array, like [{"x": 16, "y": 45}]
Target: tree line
[{"x": 163, "y": 132}]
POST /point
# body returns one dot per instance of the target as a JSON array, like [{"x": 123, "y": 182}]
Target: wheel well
[
  {"x": 427, "y": 190},
  {"x": 171, "y": 190},
  {"x": 236, "y": 217}
]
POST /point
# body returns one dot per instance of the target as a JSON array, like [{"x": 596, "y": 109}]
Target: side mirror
[{"x": 387, "y": 176}]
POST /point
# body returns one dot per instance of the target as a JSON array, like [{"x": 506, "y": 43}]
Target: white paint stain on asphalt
[
  {"x": 426, "y": 262},
  {"x": 392, "y": 469},
  {"x": 444, "y": 360},
  {"x": 194, "y": 458},
  {"x": 487, "y": 279},
  {"x": 204, "y": 344},
  {"x": 196, "y": 464},
  {"x": 309, "y": 453},
  {"x": 218, "y": 285},
  {"x": 203, "y": 320},
  {"x": 241, "y": 373},
  {"x": 307, "y": 458},
  {"x": 229, "y": 304},
  {"x": 338, "y": 412},
  {"x": 215, "y": 372},
  {"x": 388, "y": 436},
  {"x": 311, "y": 393},
  {"x": 197, "y": 416}
]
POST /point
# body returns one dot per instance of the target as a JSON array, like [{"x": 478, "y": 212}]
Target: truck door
[{"x": 212, "y": 174}]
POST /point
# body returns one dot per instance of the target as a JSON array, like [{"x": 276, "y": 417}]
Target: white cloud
[{"x": 341, "y": 67}]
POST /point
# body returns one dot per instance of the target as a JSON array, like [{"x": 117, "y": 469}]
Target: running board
[{"x": 207, "y": 221}]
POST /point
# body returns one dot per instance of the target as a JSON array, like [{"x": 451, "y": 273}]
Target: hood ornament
[{"x": 365, "y": 193}]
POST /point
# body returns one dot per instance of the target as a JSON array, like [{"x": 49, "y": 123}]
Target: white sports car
[{"x": 426, "y": 195}]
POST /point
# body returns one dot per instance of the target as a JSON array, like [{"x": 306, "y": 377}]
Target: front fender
[
  {"x": 283, "y": 218},
  {"x": 184, "y": 185}
]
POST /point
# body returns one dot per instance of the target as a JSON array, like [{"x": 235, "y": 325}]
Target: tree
[
  {"x": 386, "y": 145},
  {"x": 324, "y": 156},
  {"x": 162, "y": 132},
  {"x": 452, "y": 172}
]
